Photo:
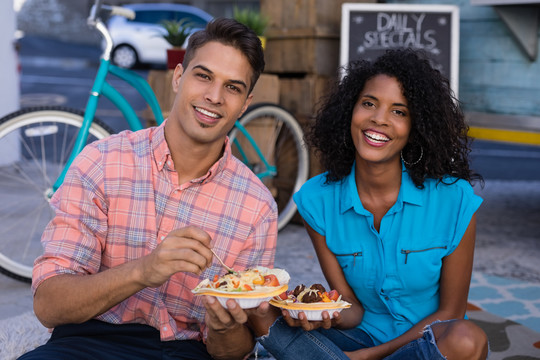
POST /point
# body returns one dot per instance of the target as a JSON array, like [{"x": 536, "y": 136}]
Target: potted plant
[
  {"x": 253, "y": 20},
  {"x": 176, "y": 33}
]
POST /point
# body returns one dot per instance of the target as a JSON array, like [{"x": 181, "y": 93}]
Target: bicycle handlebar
[
  {"x": 122, "y": 11},
  {"x": 114, "y": 10},
  {"x": 95, "y": 21}
]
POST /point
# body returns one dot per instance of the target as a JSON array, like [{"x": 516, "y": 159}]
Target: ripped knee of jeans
[
  {"x": 263, "y": 337},
  {"x": 428, "y": 328},
  {"x": 427, "y": 332},
  {"x": 429, "y": 336}
]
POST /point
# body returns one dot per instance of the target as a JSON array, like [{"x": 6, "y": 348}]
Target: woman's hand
[{"x": 307, "y": 325}]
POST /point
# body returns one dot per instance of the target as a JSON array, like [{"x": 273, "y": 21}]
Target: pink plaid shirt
[{"x": 121, "y": 197}]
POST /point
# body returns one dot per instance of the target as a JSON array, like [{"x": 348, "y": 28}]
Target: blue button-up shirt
[{"x": 395, "y": 272}]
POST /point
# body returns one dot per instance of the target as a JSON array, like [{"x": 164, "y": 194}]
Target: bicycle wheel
[
  {"x": 279, "y": 137},
  {"x": 35, "y": 144}
]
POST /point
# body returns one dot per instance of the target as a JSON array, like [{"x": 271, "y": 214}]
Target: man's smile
[{"x": 207, "y": 112}]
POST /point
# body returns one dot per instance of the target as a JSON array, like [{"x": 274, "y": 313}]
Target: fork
[{"x": 230, "y": 270}]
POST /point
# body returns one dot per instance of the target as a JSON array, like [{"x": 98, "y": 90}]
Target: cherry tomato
[
  {"x": 333, "y": 295},
  {"x": 271, "y": 280},
  {"x": 324, "y": 297}
]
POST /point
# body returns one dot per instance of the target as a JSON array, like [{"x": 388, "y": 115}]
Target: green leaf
[
  {"x": 177, "y": 31},
  {"x": 252, "y": 19}
]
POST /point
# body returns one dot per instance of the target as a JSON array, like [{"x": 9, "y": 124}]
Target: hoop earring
[{"x": 414, "y": 163}]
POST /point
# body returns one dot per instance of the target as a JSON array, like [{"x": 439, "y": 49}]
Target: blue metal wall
[{"x": 496, "y": 76}]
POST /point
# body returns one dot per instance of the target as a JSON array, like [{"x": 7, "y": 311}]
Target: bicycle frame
[
  {"x": 102, "y": 87},
  {"x": 270, "y": 169}
]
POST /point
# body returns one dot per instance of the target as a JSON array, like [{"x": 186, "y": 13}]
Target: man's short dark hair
[{"x": 232, "y": 33}]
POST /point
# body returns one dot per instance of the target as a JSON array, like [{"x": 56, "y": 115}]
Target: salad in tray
[{"x": 249, "y": 287}]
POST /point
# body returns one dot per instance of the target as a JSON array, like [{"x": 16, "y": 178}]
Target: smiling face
[
  {"x": 381, "y": 121},
  {"x": 211, "y": 93}
]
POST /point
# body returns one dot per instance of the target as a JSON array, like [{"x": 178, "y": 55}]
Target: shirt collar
[
  {"x": 160, "y": 149},
  {"x": 162, "y": 155},
  {"x": 408, "y": 193}
]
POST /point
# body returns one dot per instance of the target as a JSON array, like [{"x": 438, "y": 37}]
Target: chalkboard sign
[{"x": 368, "y": 30}]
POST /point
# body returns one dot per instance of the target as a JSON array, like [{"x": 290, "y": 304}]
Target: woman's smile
[{"x": 375, "y": 138}]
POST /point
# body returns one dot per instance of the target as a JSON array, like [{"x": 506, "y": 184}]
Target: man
[{"x": 139, "y": 212}]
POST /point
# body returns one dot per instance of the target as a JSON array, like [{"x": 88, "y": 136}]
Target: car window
[
  {"x": 197, "y": 21},
  {"x": 157, "y": 16},
  {"x": 152, "y": 17}
]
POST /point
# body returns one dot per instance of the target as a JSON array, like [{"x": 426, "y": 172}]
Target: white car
[{"x": 140, "y": 41}]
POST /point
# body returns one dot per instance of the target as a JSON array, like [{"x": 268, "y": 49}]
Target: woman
[{"x": 392, "y": 220}]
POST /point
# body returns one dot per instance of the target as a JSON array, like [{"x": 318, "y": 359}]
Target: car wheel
[{"x": 125, "y": 56}]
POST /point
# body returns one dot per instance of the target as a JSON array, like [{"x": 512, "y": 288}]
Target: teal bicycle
[{"x": 42, "y": 142}]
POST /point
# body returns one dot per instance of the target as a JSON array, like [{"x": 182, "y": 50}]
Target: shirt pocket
[
  {"x": 354, "y": 268},
  {"x": 420, "y": 266},
  {"x": 418, "y": 254}
]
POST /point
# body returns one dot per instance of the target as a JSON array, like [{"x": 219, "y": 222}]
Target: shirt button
[
  {"x": 165, "y": 328},
  {"x": 163, "y": 237}
]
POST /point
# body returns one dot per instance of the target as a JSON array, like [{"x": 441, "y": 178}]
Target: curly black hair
[{"x": 438, "y": 135}]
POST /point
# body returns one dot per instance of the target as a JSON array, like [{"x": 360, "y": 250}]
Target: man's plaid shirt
[{"x": 121, "y": 197}]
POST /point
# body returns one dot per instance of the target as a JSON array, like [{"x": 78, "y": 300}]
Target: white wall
[
  {"x": 9, "y": 86},
  {"x": 9, "y": 73}
]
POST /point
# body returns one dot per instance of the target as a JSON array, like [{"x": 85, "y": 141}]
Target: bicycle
[{"x": 43, "y": 142}]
